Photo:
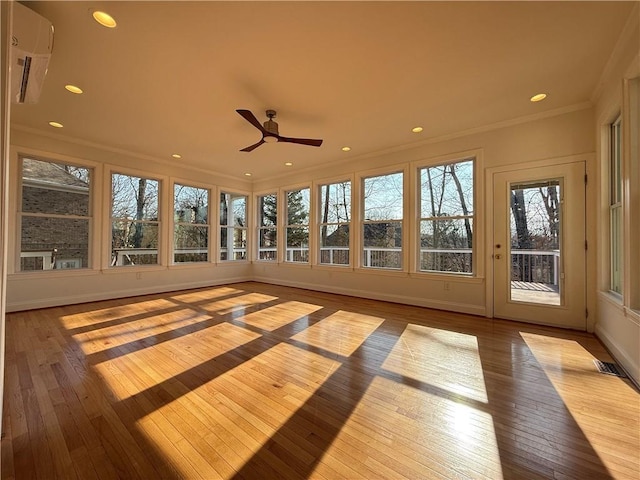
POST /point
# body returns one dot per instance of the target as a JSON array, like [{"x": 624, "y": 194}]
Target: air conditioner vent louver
[{"x": 31, "y": 46}]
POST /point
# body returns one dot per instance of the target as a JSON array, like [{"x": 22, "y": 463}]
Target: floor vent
[{"x": 609, "y": 368}]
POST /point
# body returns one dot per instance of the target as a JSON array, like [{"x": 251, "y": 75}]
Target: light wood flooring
[{"x": 257, "y": 381}]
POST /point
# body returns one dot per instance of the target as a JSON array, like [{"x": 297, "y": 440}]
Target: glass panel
[
  {"x": 535, "y": 260},
  {"x": 335, "y": 203},
  {"x": 383, "y": 245},
  {"x": 268, "y": 210},
  {"x": 383, "y": 197},
  {"x": 616, "y": 248},
  {"x": 134, "y": 243},
  {"x": 268, "y": 244},
  {"x": 54, "y": 188},
  {"x": 298, "y": 207},
  {"x": 334, "y": 244},
  {"x": 190, "y": 204},
  {"x": 446, "y": 245},
  {"x": 239, "y": 209},
  {"x": 134, "y": 198},
  {"x": 234, "y": 205},
  {"x": 190, "y": 243},
  {"x": 54, "y": 243},
  {"x": 447, "y": 190},
  {"x": 297, "y": 244},
  {"x": 233, "y": 243}
]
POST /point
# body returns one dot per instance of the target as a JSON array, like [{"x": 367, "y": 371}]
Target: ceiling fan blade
[
  {"x": 253, "y": 147},
  {"x": 301, "y": 141},
  {"x": 251, "y": 118}
]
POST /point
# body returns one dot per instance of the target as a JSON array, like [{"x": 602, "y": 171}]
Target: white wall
[
  {"x": 4, "y": 176},
  {"x": 618, "y": 317}
]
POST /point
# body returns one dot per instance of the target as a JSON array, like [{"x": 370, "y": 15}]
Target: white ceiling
[{"x": 171, "y": 75}]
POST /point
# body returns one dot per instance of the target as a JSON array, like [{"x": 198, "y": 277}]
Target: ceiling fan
[{"x": 270, "y": 131}]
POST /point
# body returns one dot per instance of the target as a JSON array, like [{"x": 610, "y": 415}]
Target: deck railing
[{"x": 539, "y": 266}]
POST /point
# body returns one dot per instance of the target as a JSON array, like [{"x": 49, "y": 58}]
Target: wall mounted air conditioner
[{"x": 31, "y": 46}]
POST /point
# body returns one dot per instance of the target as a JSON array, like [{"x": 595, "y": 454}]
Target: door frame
[{"x": 490, "y": 216}]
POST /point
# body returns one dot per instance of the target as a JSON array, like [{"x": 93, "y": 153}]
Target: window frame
[
  {"x": 475, "y": 220},
  {"x": 162, "y": 254},
  {"x": 285, "y": 224},
  {"x": 92, "y": 243},
  {"x": 361, "y": 221},
  {"x": 615, "y": 209},
  {"x": 317, "y": 187},
  {"x": 275, "y": 227},
  {"x": 247, "y": 209},
  {"x": 174, "y": 222}
]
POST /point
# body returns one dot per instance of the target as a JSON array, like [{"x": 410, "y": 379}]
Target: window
[
  {"x": 446, "y": 218},
  {"x": 233, "y": 226},
  {"x": 297, "y": 228},
  {"x": 268, "y": 227},
  {"x": 55, "y": 215},
  {"x": 134, "y": 220},
  {"x": 382, "y": 224},
  {"x": 615, "y": 208},
  {"x": 191, "y": 224},
  {"x": 335, "y": 215}
]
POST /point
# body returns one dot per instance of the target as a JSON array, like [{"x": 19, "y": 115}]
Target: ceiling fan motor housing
[{"x": 271, "y": 126}]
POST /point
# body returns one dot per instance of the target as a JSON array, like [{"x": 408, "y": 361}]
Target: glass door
[{"x": 539, "y": 245}]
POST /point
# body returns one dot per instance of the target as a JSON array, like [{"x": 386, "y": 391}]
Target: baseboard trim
[
  {"x": 129, "y": 292},
  {"x": 403, "y": 299},
  {"x": 628, "y": 363}
]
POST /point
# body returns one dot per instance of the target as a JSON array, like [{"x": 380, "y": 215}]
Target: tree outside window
[
  {"x": 191, "y": 224},
  {"x": 382, "y": 224},
  {"x": 233, "y": 226},
  {"x": 55, "y": 215},
  {"x": 134, "y": 220},
  {"x": 446, "y": 218},
  {"x": 297, "y": 228},
  {"x": 268, "y": 227},
  {"x": 335, "y": 218}
]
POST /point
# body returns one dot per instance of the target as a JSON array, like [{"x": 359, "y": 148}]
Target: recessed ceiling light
[
  {"x": 104, "y": 19},
  {"x": 73, "y": 89},
  {"x": 176, "y": 155},
  {"x": 416, "y": 129},
  {"x": 346, "y": 149},
  {"x": 247, "y": 174},
  {"x": 288, "y": 164},
  {"x": 539, "y": 97},
  {"x": 56, "y": 124}
]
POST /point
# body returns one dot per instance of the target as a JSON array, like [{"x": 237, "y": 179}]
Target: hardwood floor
[{"x": 257, "y": 381}]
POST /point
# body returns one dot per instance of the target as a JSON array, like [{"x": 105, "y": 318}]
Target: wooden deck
[
  {"x": 533, "y": 292},
  {"x": 257, "y": 381}
]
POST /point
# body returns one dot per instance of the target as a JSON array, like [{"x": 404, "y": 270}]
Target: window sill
[
  {"x": 70, "y": 272},
  {"x": 448, "y": 277}
]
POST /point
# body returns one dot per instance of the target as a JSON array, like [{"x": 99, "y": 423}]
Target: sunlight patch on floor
[
  {"x": 109, "y": 314},
  {"x": 168, "y": 360},
  {"x": 570, "y": 368},
  {"x": 236, "y": 304},
  {"x": 208, "y": 294},
  {"x": 234, "y": 415},
  {"x": 341, "y": 333},
  {"x": 430, "y": 436},
  {"x": 441, "y": 358},
  {"x": 141, "y": 330},
  {"x": 272, "y": 318}
]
